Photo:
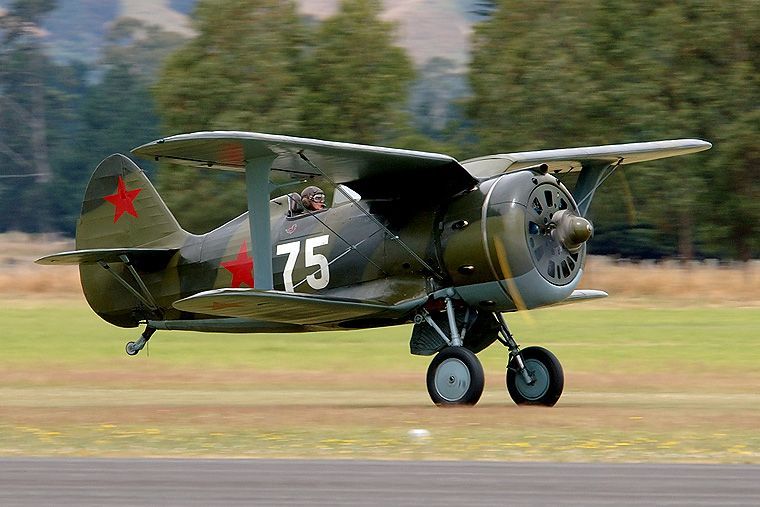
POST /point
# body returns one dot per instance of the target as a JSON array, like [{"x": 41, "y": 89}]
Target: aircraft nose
[{"x": 571, "y": 230}]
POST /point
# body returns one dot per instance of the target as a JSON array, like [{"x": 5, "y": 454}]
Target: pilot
[{"x": 313, "y": 198}]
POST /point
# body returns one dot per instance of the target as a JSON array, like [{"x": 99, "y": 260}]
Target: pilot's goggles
[{"x": 318, "y": 197}]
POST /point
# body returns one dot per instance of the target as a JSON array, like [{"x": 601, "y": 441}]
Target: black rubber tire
[
  {"x": 550, "y": 381},
  {"x": 464, "y": 378},
  {"x": 129, "y": 350}
]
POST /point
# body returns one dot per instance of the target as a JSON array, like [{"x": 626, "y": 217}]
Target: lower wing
[{"x": 288, "y": 307}]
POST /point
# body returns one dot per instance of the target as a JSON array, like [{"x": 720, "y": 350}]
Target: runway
[{"x": 298, "y": 482}]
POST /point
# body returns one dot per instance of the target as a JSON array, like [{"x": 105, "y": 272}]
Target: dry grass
[
  {"x": 19, "y": 276},
  {"x": 696, "y": 283},
  {"x": 699, "y": 283}
]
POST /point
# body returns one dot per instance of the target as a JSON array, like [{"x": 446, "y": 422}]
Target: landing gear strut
[
  {"x": 455, "y": 375},
  {"x": 534, "y": 375},
  {"x": 133, "y": 348}
]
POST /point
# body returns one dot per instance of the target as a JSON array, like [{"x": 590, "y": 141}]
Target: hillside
[{"x": 426, "y": 28}]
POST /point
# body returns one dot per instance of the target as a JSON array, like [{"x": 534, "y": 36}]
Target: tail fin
[
  {"x": 122, "y": 209},
  {"x": 123, "y": 214}
]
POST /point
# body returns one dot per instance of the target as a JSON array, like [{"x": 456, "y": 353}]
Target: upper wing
[
  {"x": 573, "y": 159},
  {"x": 373, "y": 171},
  {"x": 287, "y": 307}
]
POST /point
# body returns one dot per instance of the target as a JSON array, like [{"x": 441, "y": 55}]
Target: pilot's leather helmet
[{"x": 313, "y": 198}]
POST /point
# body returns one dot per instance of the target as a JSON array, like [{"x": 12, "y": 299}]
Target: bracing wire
[{"x": 387, "y": 231}]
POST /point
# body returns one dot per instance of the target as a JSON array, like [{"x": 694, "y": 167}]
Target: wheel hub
[
  {"x": 452, "y": 379},
  {"x": 540, "y": 380}
]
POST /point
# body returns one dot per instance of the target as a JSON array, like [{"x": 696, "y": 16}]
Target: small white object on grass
[{"x": 419, "y": 433}]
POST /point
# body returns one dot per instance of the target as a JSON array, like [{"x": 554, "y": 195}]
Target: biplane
[{"x": 406, "y": 237}]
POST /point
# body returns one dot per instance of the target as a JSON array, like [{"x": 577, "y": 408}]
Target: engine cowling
[{"x": 516, "y": 242}]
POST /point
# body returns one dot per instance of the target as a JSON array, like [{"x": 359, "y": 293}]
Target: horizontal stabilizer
[
  {"x": 143, "y": 258},
  {"x": 573, "y": 159},
  {"x": 286, "y": 307}
]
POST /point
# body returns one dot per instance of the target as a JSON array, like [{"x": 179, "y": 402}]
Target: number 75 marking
[{"x": 318, "y": 279}]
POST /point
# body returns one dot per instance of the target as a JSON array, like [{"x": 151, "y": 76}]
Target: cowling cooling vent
[{"x": 551, "y": 259}]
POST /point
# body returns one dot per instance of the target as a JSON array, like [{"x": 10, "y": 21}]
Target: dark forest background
[{"x": 541, "y": 74}]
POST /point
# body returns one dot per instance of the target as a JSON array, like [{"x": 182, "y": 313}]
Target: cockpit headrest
[{"x": 294, "y": 204}]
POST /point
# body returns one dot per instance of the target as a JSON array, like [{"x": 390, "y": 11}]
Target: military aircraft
[{"x": 408, "y": 237}]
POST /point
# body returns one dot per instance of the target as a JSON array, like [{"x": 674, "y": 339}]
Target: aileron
[{"x": 573, "y": 159}]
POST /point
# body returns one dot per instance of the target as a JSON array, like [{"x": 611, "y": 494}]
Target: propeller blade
[{"x": 514, "y": 292}]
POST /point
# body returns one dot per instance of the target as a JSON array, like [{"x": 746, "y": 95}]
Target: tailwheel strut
[
  {"x": 133, "y": 348},
  {"x": 534, "y": 374}
]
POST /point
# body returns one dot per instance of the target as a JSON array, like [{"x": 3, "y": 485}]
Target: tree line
[{"x": 543, "y": 74}]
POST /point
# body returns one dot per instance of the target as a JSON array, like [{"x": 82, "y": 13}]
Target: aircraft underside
[{"x": 454, "y": 335}]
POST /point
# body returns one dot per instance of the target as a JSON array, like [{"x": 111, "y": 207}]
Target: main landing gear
[
  {"x": 455, "y": 375},
  {"x": 534, "y": 375}
]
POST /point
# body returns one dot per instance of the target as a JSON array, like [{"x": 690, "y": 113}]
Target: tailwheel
[
  {"x": 455, "y": 377},
  {"x": 133, "y": 348},
  {"x": 542, "y": 380}
]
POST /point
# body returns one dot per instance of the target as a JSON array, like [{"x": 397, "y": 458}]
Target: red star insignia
[
  {"x": 241, "y": 268},
  {"x": 122, "y": 200}
]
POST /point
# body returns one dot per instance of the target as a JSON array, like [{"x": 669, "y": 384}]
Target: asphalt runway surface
[{"x": 301, "y": 482}]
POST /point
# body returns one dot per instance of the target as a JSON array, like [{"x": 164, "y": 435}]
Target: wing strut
[
  {"x": 257, "y": 190},
  {"x": 387, "y": 231},
  {"x": 592, "y": 176}
]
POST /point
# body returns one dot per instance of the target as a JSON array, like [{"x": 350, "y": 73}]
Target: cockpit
[{"x": 297, "y": 202}]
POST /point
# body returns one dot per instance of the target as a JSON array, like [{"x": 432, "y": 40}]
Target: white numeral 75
[{"x": 318, "y": 279}]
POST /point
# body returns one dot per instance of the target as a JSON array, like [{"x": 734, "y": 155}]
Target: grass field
[
  {"x": 642, "y": 384},
  {"x": 667, "y": 369}
]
